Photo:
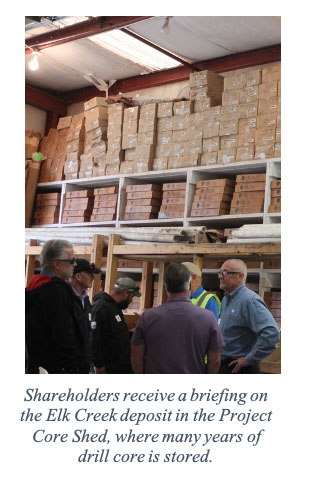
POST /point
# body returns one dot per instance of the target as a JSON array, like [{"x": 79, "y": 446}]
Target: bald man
[{"x": 248, "y": 328}]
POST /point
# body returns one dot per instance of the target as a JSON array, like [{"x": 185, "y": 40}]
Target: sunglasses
[
  {"x": 70, "y": 261},
  {"x": 224, "y": 273}
]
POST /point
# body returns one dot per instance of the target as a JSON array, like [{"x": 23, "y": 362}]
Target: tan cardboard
[
  {"x": 247, "y": 139},
  {"x": 159, "y": 164},
  {"x": 129, "y": 141},
  {"x": 241, "y": 210},
  {"x": 233, "y": 83},
  {"x": 251, "y": 178},
  {"x": 171, "y": 214},
  {"x": 211, "y": 144},
  {"x": 144, "y": 202},
  {"x": 211, "y": 129},
  {"x": 144, "y": 152},
  {"x": 175, "y": 163},
  {"x": 180, "y": 136},
  {"x": 249, "y": 186},
  {"x": 131, "y": 113},
  {"x": 64, "y": 122},
  {"x": 277, "y": 135},
  {"x": 102, "y": 218},
  {"x": 106, "y": 190},
  {"x": 270, "y": 74},
  {"x": 97, "y": 132},
  {"x": 114, "y": 131},
  {"x": 97, "y": 112},
  {"x": 77, "y": 213},
  {"x": 144, "y": 194},
  {"x": 171, "y": 186},
  {"x": 208, "y": 158},
  {"x": 205, "y": 103},
  {"x": 140, "y": 216},
  {"x": 228, "y": 142},
  {"x": 182, "y": 108},
  {"x": 147, "y": 110},
  {"x": 245, "y": 153},
  {"x": 95, "y": 101},
  {"x": 216, "y": 196},
  {"x": 130, "y": 154},
  {"x": 205, "y": 77},
  {"x": 275, "y": 192},
  {"x": 116, "y": 108},
  {"x": 173, "y": 201},
  {"x": 165, "y": 109},
  {"x": 162, "y": 151},
  {"x": 134, "y": 188},
  {"x": 269, "y": 105},
  {"x": 130, "y": 126},
  {"x": 268, "y": 90},
  {"x": 115, "y": 119},
  {"x": 195, "y": 132},
  {"x": 212, "y": 183},
  {"x": 277, "y": 150},
  {"x": 112, "y": 169},
  {"x": 165, "y": 124},
  {"x": 229, "y": 112},
  {"x": 268, "y": 120},
  {"x": 86, "y": 193},
  {"x": 181, "y": 122},
  {"x": 148, "y": 138},
  {"x": 212, "y": 114},
  {"x": 249, "y": 94},
  {"x": 115, "y": 157},
  {"x": 251, "y": 78},
  {"x": 226, "y": 156},
  {"x": 228, "y": 127},
  {"x": 265, "y": 136},
  {"x": 231, "y": 98},
  {"x": 178, "y": 149},
  {"x": 205, "y": 212},
  {"x": 165, "y": 137},
  {"x": 147, "y": 124},
  {"x": 96, "y": 123},
  {"x": 115, "y": 143},
  {"x": 78, "y": 219}
]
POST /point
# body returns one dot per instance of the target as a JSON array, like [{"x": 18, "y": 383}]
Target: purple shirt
[{"x": 177, "y": 336}]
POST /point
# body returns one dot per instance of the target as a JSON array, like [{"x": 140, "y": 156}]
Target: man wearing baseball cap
[
  {"x": 199, "y": 296},
  {"x": 81, "y": 281},
  {"x": 110, "y": 340}
]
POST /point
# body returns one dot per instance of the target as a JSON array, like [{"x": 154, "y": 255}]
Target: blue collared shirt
[
  {"x": 82, "y": 296},
  {"x": 247, "y": 326},
  {"x": 211, "y": 304}
]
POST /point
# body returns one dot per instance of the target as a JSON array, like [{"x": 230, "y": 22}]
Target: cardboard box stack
[
  {"x": 46, "y": 209},
  {"x": 273, "y": 301},
  {"x": 275, "y": 204},
  {"x": 129, "y": 133},
  {"x": 75, "y": 145},
  {"x": 78, "y": 206},
  {"x": 205, "y": 89},
  {"x": 146, "y": 138},
  {"x": 173, "y": 200},
  {"x": 59, "y": 157},
  {"x": 115, "y": 151},
  {"x": 32, "y": 140},
  {"x": 249, "y": 194},
  {"x": 212, "y": 197},
  {"x": 105, "y": 204},
  {"x": 47, "y": 147},
  {"x": 95, "y": 145},
  {"x": 143, "y": 201}
]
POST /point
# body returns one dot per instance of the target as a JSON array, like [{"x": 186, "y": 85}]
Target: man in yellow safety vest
[{"x": 199, "y": 296}]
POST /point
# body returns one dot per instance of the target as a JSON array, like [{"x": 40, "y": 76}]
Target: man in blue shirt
[
  {"x": 199, "y": 296},
  {"x": 248, "y": 328}
]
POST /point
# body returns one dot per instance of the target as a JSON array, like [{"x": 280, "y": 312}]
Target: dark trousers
[{"x": 224, "y": 368}]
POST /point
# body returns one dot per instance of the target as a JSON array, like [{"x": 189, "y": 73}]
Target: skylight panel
[{"x": 132, "y": 49}]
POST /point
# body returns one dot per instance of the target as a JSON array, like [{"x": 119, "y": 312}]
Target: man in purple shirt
[{"x": 176, "y": 336}]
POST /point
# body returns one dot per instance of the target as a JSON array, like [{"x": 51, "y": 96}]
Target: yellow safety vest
[{"x": 203, "y": 299}]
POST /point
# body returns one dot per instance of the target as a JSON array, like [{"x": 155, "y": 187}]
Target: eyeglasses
[
  {"x": 70, "y": 261},
  {"x": 224, "y": 273}
]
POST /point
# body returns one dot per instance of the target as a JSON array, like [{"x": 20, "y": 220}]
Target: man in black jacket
[
  {"x": 55, "y": 338},
  {"x": 82, "y": 279},
  {"x": 110, "y": 340}
]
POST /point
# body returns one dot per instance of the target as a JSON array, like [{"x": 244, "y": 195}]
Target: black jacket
[
  {"x": 56, "y": 329},
  {"x": 110, "y": 340}
]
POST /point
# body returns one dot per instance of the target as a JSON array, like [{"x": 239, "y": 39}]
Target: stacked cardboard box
[
  {"x": 115, "y": 152},
  {"x": 205, "y": 85},
  {"x": 32, "y": 140},
  {"x": 146, "y": 138},
  {"x": 78, "y": 206},
  {"x": 275, "y": 204},
  {"x": 273, "y": 301},
  {"x": 58, "y": 161},
  {"x": 130, "y": 128},
  {"x": 212, "y": 197},
  {"x": 75, "y": 145},
  {"x": 249, "y": 194},
  {"x": 173, "y": 200},
  {"x": 47, "y": 147},
  {"x": 143, "y": 201},
  {"x": 95, "y": 146},
  {"x": 46, "y": 209},
  {"x": 105, "y": 204}
]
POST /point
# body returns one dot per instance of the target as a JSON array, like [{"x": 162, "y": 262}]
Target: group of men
[{"x": 191, "y": 333}]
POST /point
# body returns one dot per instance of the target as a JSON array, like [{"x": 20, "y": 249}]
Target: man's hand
[
  {"x": 238, "y": 364},
  {"x": 100, "y": 370}
]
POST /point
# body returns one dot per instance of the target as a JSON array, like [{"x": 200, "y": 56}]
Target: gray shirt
[
  {"x": 177, "y": 336},
  {"x": 247, "y": 326}
]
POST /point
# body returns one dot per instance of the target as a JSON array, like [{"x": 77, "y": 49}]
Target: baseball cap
[
  {"x": 129, "y": 285},
  {"x": 84, "y": 265},
  {"x": 193, "y": 269}
]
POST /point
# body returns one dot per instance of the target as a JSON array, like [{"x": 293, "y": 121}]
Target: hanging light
[
  {"x": 165, "y": 29},
  {"x": 34, "y": 63}
]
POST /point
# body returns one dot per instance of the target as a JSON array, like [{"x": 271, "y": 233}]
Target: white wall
[{"x": 35, "y": 119}]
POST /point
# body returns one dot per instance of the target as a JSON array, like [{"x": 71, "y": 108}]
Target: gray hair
[
  {"x": 52, "y": 250},
  {"x": 177, "y": 278}
]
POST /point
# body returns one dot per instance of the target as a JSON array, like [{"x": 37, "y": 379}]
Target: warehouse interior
[{"x": 200, "y": 101}]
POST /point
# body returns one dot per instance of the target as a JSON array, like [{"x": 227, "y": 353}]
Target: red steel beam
[
  {"x": 45, "y": 101},
  {"x": 78, "y": 31},
  {"x": 237, "y": 61}
]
